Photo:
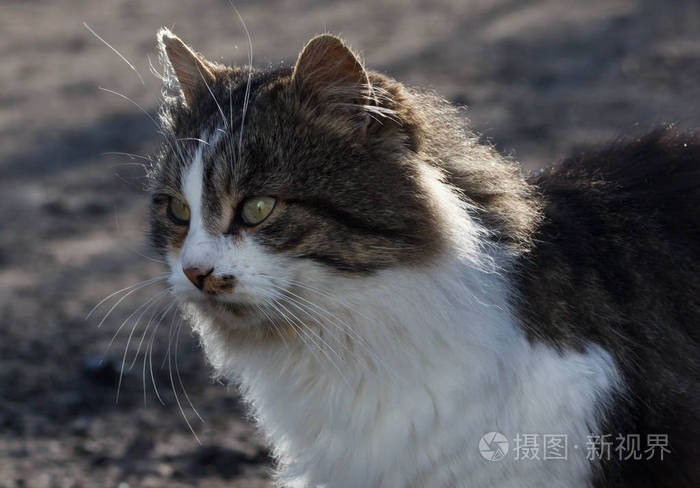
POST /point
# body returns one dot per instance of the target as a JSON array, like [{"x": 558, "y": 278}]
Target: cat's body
[
  {"x": 386, "y": 290},
  {"x": 616, "y": 262}
]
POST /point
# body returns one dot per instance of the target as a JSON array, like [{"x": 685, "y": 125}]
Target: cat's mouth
[{"x": 237, "y": 306}]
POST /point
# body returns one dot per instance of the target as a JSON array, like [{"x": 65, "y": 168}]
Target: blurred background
[{"x": 540, "y": 78}]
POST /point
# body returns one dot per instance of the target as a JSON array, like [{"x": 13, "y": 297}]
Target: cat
[{"x": 401, "y": 307}]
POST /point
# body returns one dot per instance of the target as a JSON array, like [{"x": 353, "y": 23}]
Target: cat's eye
[
  {"x": 178, "y": 211},
  {"x": 256, "y": 209}
]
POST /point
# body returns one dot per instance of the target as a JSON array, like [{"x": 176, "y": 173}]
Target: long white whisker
[
  {"x": 124, "y": 97},
  {"x": 150, "y": 303},
  {"x": 119, "y": 165},
  {"x": 336, "y": 321},
  {"x": 323, "y": 293},
  {"x": 295, "y": 304},
  {"x": 177, "y": 369},
  {"x": 250, "y": 75},
  {"x": 176, "y": 147},
  {"x": 128, "y": 154},
  {"x": 116, "y": 52},
  {"x": 156, "y": 311},
  {"x": 147, "y": 282},
  {"x": 231, "y": 150},
  {"x": 327, "y": 313},
  {"x": 147, "y": 304},
  {"x": 124, "y": 298},
  {"x": 323, "y": 342},
  {"x": 319, "y": 291},
  {"x": 177, "y": 397},
  {"x": 213, "y": 98},
  {"x": 197, "y": 139},
  {"x": 273, "y": 303},
  {"x": 150, "y": 351},
  {"x": 347, "y": 331},
  {"x": 274, "y": 324},
  {"x": 146, "y": 352},
  {"x": 342, "y": 327}
]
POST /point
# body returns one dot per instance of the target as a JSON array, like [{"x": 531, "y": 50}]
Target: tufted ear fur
[
  {"x": 192, "y": 72},
  {"x": 328, "y": 69}
]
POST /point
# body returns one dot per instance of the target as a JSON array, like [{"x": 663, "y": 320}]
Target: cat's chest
[
  {"x": 442, "y": 362},
  {"x": 425, "y": 431}
]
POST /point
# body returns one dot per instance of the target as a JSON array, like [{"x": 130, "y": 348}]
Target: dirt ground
[{"x": 540, "y": 79}]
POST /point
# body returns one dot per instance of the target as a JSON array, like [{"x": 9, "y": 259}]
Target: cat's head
[{"x": 274, "y": 184}]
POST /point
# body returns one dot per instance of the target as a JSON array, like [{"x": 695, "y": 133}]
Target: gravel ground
[{"x": 540, "y": 79}]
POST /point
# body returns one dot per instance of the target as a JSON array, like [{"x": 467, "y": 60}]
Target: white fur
[{"x": 399, "y": 374}]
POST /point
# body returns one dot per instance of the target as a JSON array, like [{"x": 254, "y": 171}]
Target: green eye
[
  {"x": 256, "y": 209},
  {"x": 178, "y": 211}
]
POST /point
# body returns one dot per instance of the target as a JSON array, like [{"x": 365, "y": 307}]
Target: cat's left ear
[
  {"x": 329, "y": 70},
  {"x": 191, "y": 71}
]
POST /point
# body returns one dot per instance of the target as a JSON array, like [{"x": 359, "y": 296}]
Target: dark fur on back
[{"x": 616, "y": 262}]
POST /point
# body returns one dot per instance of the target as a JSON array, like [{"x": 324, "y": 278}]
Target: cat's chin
[{"x": 224, "y": 313}]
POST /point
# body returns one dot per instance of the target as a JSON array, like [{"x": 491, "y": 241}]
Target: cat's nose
[{"x": 197, "y": 276}]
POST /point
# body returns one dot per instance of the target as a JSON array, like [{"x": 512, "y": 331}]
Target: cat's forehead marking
[
  {"x": 192, "y": 182},
  {"x": 193, "y": 178}
]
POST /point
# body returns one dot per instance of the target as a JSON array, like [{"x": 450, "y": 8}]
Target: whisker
[
  {"x": 319, "y": 291},
  {"x": 116, "y": 52},
  {"x": 146, "y": 304},
  {"x": 127, "y": 154},
  {"x": 157, "y": 74},
  {"x": 274, "y": 304},
  {"x": 323, "y": 342},
  {"x": 342, "y": 326},
  {"x": 213, "y": 97},
  {"x": 230, "y": 123},
  {"x": 150, "y": 303},
  {"x": 177, "y": 397},
  {"x": 119, "y": 165},
  {"x": 150, "y": 352},
  {"x": 274, "y": 324},
  {"x": 250, "y": 75},
  {"x": 347, "y": 329},
  {"x": 325, "y": 311},
  {"x": 177, "y": 369},
  {"x": 197, "y": 139},
  {"x": 323, "y": 326},
  {"x": 176, "y": 147},
  {"x": 144, "y": 283},
  {"x": 156, "y": 311},
  {"x": 124, "y": 97}
]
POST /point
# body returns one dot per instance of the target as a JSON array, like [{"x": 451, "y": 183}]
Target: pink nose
[{"x": 197, "y": 276}]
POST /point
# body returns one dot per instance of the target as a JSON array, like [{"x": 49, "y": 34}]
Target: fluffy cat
[{"x": 386, "y": 290}]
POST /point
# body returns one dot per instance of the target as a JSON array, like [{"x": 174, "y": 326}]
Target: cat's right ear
[
  {"x": 189, "y": 69},
  {"x": 327, "y": 67}
]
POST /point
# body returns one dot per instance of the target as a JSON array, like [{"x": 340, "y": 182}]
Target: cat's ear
[
  {"x": 191, "y": 71},
  {"x": 328, "y": 67}
]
